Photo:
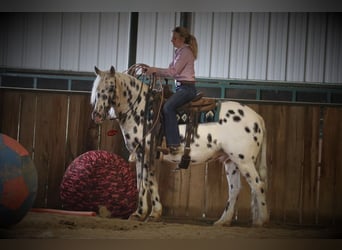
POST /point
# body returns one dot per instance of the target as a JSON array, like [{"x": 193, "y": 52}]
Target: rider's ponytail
[{"x": 188, "y": 39}]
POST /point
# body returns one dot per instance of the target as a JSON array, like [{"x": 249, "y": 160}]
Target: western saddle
[{"x": 192, "y": 109}]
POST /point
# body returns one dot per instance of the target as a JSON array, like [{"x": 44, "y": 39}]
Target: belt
[{"x": 179, "y": 83}]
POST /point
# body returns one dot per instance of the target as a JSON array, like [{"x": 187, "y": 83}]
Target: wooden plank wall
[
  {"x": 303, "y": 186},
  {"x": 55, "y": 128}
]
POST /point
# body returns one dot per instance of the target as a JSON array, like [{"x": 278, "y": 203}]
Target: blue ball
[{"x": 18, "y": 181}]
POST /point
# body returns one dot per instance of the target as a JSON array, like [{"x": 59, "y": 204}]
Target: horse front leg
[
  {"x": 142, "y": 185},
  {"x": 156, "y": 211}
]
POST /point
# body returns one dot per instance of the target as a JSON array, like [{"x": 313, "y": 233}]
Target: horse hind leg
[
  {"x": 258, "y": 193},
  {"x": 234, "y": 186}
]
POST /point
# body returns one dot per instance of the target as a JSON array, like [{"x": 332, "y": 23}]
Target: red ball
[
  {"x": 98, "y": 179},
  {"x": 18, "y": 181}
]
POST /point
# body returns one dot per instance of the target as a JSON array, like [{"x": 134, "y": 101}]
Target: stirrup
[
  {"x": 185, "y": 161},
  {"x": 165, "y": 151},
  {"x": 169, "y": 150}
]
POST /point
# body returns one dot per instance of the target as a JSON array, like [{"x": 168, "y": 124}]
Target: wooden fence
[{"x": 304, "y": 168}]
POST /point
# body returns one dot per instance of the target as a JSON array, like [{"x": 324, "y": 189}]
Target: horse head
[{"x": 103, "y": 94}]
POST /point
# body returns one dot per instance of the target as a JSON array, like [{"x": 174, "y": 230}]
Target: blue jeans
[{"x": 183, "y": 94}]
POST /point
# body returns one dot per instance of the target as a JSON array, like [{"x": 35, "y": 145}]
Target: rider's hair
[{"x": 188, "y": 39}]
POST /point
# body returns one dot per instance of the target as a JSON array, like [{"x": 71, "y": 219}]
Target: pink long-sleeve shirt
[{"x": 182, "y": 68}]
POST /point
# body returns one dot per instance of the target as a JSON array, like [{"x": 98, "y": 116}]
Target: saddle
[
  {"x": 192, "y": 109},
  {"x": 199, "y": 104}
]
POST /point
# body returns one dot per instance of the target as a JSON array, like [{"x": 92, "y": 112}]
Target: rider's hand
[{"x": 150, "y": 70}]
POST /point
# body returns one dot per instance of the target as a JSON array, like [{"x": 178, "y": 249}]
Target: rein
[{"x": 134, "y": 71}]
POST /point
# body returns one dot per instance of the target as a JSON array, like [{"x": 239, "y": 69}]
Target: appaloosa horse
[{"x": 239, "y": 133}]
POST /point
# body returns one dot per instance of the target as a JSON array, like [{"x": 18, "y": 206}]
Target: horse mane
[{"x": 93, "y": 91}]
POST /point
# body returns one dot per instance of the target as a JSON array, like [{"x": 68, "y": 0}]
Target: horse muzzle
[{"x": 97, "y": 118}]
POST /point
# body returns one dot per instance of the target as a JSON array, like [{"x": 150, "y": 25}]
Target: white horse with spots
[{"x": 240, "y": 134}]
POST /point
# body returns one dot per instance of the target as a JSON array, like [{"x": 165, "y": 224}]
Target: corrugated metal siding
[
  {"x": 165, "y": 24},
  {"x": 220, "y": 45},
  {"x": 146, "y": 38},
  {"x": 114, "y": 40},
  {"x": 104, "y": 40},
  {"x": 277, "y": 46},
  {"x": 89, "y": 43},
  {"x": 51, "y": 44},
  {"x": 66, "y": 41},
  {"x": 333, "y": 72},
  {"x": 301, "y": 47},
  {"x": 239, "y": 45},
  {"x": 295, "y": 67},
  {"x": 71, "y": 41},
  {"x": 33, "y": 40},
  {"x": 203, "y": 22},
  {"x": 15, "y": 42},
  {"x": 315, "y": 52},
  {"x": 3, "y": 36},
  {"x": 258, "y": 48},
  {"x": 154, "y": 45}
]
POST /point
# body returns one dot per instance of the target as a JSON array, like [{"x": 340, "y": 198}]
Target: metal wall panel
[
  {"x": 239, "y": 46},
  {"x": 301, "y": 47},
  {"x": 65, "y": 41},
  {"x": 3, "y": 38},
  {"x": 295, "y": 66},
  {"x": 70, "y": 54},
  {"x": 146, "y": 38},
  {"x": 108, "y": 42},
  {"x": 32, "y": 51},
  {"x": 258, "y": 48},
  {"x": 315, "y": 52},
  {"x": 122, "y": 53},
  {"x": 221, "y": 33},
  {"x": 333, "y": 72},
  {"x": 166, "y": 22},
  {"x": 15, "y": 42},
  {"x": 89, "y": 47},
  {"x": 113, "y": 40},
  {"x": 51, "y": 40},
  {"x": 202, "y": 30},
  {"x": 277, "y": 47},
  {"x": 154, "y": 47}
]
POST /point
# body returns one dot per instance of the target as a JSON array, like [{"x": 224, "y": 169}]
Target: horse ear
[
  {"x": 112, "y": 70},
  {"x": 97, "y": 71}
]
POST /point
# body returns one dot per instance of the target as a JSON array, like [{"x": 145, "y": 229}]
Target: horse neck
[{"x": 131, "y": 101}]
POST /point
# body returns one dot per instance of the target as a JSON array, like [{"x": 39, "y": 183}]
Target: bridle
[{"x": 133, "y": 71}]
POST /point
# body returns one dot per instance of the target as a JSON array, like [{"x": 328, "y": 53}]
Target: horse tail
[{"x": 262, "y": 160}]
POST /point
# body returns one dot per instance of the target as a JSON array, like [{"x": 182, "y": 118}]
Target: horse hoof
[
  {"x": 135, "y": 217},
  {"x": 258, "y": 224},
  {"x": 222, "y": 224},
  {"x": 154, "y": 219}
]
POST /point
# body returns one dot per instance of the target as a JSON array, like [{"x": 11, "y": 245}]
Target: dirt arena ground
[{"x": 54, "y": 226}]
